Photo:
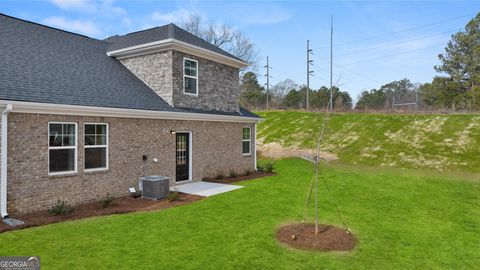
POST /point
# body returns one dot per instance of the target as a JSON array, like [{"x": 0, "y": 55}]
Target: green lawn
[
  {"x": 403, "y": 221},
  {"x": 438, "y": 142}
]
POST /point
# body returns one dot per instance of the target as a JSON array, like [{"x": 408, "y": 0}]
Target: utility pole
[
  {"x": 309, "y": 72},
  {"x": 268, "y": 79},
  {"x": 331, "y": 62}
]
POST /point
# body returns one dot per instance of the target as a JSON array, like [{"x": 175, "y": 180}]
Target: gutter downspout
[
  {"x": 4, "y": 163},
  {"x": 255, "y": 146}
]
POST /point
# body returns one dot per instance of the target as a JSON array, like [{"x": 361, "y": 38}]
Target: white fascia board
[
  {"x": 174, "y": 44},
  {"x": 61, "y": 109}
]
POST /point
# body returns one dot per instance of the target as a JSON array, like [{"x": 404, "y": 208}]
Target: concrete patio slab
[{"x": 205, "y": 188}]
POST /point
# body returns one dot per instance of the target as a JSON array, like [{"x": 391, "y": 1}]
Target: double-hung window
[
  {"x": 190, "y": 76},
  {"x": 246, "y": 141},
  {"x": 96, "y": 146},
  {"x": 62, "y": 148}
]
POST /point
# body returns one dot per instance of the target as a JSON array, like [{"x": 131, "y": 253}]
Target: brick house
[{"x": 82, "y": 117}]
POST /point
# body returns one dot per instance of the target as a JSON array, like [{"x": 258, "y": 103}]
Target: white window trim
[
  {"x": 75, "y": 147},
  {"x": 96, "y": 146},
  {"x": 189, "y": 76},
  {"x": 249, "y": 140}
]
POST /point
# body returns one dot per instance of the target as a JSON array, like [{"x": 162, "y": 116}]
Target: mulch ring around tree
[
  {"x": 117, "y": 206},
  {"x": 329, "y": 238}
]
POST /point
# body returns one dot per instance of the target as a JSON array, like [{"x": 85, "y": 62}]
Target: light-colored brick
[{"x": 217, "y": 146}]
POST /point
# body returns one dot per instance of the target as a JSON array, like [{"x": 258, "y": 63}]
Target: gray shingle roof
[
  {"x": 161, "y": 33},
  {"x": 47, "y": 65}
]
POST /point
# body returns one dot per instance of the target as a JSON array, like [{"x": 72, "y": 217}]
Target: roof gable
[{"x": 164, "y": 33}]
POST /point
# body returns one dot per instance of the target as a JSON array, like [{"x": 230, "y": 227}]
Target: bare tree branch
[{"x": 225, "y": 37}]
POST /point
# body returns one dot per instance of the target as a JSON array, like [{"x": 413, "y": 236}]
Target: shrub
[
  {"x": 233, "y": 174},
  {"x": 260, "y": 168},
  {"x": 269, "y": 167},
  {"x": 60, "y": 209},
  {"x": 248, "y": 172},
  {"x": 107, "y": 201},
  {"x": 220, "y": 175},
  {"x": 174, "y": 195}
]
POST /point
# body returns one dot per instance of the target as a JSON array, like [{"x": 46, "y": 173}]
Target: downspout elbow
[
  {"x": 3, "y": 160},
  {"x": 8, "y": 109}
]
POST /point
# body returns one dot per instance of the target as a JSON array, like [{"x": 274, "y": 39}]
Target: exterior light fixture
[{"x": 172, "y": 131}]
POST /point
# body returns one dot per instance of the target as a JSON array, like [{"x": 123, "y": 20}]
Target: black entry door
[{"x": 182, "y": 156}]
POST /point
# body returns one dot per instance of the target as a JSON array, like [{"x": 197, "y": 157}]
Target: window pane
[
  {"x": 101, "y": 140},
  {"x": 246, "y": 133},
  {"x": 90, "y": 129},
  {"x": 191, "y": 72},
  {"x": 190, "y": 68},
  {"x": 68, "y": 140},
  {"x": 55, "y": 140},
  {"x": 61, "y": 160},
  {"x": 95, "y": 158},
  {"x": 190, "y": 85},
  {"x": 101, "y": 129},
  {"x": 55, "y": 129},
  {"x": 89, "y": 139},
  {"x": 246, "y": 147},
  {"x": 68, "y": 129}
]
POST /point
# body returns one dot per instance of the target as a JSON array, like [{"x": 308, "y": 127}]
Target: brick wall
[
  {"x": 218, "y": 84},
  {"x": 216, "y": 147}
]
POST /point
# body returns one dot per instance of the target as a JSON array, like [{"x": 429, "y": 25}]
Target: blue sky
[{"x": 375, "y": 42}]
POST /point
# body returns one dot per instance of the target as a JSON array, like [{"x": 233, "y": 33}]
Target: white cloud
[
  {"x": 104, "y": 7},
  {"x": 79, "y": 26},
  {"x": 266, "y": 17},
  {"x": 74, "y": 4},
  {"x": 175, "y": 16}
]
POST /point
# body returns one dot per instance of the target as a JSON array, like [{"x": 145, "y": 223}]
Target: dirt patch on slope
[
  {"x": 276, "y": 151},
  {"x": 330, "y": 238}
]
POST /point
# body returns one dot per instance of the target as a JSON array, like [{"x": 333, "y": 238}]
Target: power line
[
  {"x": 355, "y": 73},
  {"x": 407, "y": 29},
  {"x": 394, "y": 54},
  {"x": 393, "y": 44}
]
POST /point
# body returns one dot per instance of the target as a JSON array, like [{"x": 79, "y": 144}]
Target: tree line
[
  {"x": 289, "y": 95},
  {"x": 457, "y": 87}
]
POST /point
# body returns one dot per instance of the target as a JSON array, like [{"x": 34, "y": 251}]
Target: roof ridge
[{"x": 46, "y": 26}]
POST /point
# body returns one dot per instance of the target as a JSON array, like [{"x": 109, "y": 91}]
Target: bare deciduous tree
[{"x": 224, "y": 36}]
